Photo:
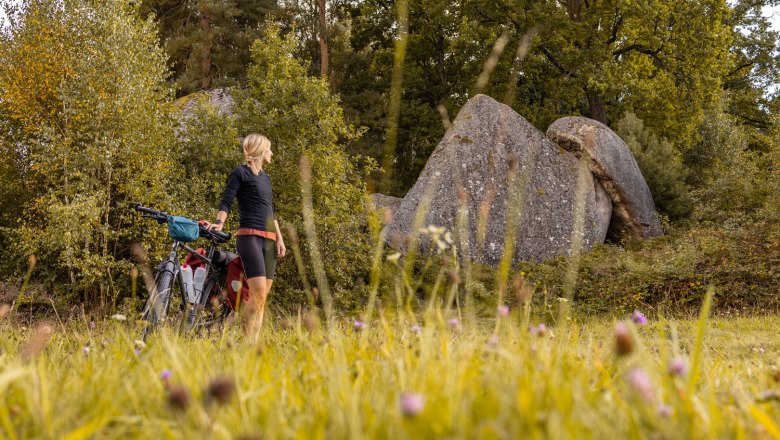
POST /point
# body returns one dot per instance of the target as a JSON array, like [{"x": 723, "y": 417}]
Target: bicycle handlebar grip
[{"x": 140, "y": 208}]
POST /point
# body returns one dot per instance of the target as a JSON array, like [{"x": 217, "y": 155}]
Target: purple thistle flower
[
  {"x": 165, "y": 374},
  {"x": 503, "y": 311},
  {"x": 137, "y": 351},
  {"x": 677, "y": 367},
  {"x": 359, "y": 325},
  {"x": 85, "y": 350},
  {"x": 539, "y": 330},
  {"x": 416, "y": 329},
  {"x": 454, "y": 323},
  {"x": 412, "y": 404},
  {"x": 92, "y": 325},
  {"x": 638, "y": 318},
  {"x": 640, "y": 382}
]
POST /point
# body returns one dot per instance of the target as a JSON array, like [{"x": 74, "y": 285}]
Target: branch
[
  {"x": 639, "y": 48},
  {"x": 555, "y": 62},
  {"x": 615, "y": 28},
  {"x": 750, "y": 63}
]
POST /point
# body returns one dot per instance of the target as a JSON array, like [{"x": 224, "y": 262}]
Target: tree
[
  {"x": 208, "y": 41},
  {"x": 82, "y": 92},
  {"x": 668, "y": 62},
  {"x": 301, "y": 118}
]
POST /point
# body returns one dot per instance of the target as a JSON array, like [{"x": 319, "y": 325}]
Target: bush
[{"x": 301, "y": 118}]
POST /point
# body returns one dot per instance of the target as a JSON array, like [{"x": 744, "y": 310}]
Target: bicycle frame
[{"x": 172, "y": 266}]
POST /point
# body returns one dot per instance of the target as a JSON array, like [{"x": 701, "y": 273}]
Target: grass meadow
[{"x": 398, "y": 375}]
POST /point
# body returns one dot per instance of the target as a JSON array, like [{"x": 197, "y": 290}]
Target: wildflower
[
  {"x": 664, "y": 410},
  {"x": 221, "y": 389},
  {"x": 768, "y": 396},
  {"x": 165, "y": 375},
  {"x": 309, "y": 322},
  {"x": 539, "y": 330},
  {"x": 92, "y": 325},
  {"x": 85, "y": 350},
  {"x": 119, "y": 317},
  {"x": 638, "y": 318},
  {"x": 178, "y": 398},
  {"x": 37, "y": 342},
  {"x": 624, "y": 341},
  {"x": 359, "y": 325},
  {"x": 416, "y": 329},
  {"x": 503, "y": 311},
  {"x": 412, "y": 404},
  {"x": 677, "y": 367},
  {"x": 493, "y": 341},
  {"x": 640, "y": 382},
  {"x": 454, "y": 323}
]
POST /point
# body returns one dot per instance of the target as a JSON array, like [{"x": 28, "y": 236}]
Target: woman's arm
[
  {"x": 231, "y": 188},
  {"x": 281, "y": 249}
]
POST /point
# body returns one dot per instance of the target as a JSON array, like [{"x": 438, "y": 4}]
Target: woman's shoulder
[{"x": 240, "y": 171}]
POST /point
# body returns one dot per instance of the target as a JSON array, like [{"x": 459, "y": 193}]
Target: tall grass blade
[{"x": 701, "y": 327}]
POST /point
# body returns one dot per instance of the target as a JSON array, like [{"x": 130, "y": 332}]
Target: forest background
[{"x": 91, "y": 93}]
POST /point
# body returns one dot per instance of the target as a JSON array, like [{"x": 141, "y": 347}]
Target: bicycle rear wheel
[{"x": 156, "y": 307}]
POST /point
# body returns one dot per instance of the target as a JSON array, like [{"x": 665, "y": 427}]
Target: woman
[{"x": 259, "y": 239}]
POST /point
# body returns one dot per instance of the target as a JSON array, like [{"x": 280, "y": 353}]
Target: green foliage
[
  {"x": 667, "y": 62},
  {"x": 207, "y": 41},
  {"x": 301, "y": 117},
  {"x": 671, "y": 273},
  {"x": 209, "y": 150},
  {"x": 661, "y": 166},
  {"x": 727, "y": 176},
  {"x": 88, "y": 139}
]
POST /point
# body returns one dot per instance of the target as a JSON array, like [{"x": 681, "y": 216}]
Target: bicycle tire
[{"x": 156, "y": 307}]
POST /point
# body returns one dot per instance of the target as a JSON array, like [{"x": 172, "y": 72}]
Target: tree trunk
[
  {"x": 574, "y": 8},
  {"x": 598, "y": 110},
  {"x": 205, "y": 50},
  {"x": 323, "y": 40}
]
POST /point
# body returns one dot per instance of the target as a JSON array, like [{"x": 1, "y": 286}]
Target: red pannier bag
[{"x": 235, "y": 280}]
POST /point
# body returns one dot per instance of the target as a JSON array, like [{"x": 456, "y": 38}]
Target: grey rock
[
  {"x": 472, "y": 167},
  {"x": 611, "y": 162},
  {"x": 382, "y": 201}
]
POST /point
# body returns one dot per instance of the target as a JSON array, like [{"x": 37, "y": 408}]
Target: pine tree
[
  {"x": 661, "y": 166},
  {"x": 208, "y": 41}
]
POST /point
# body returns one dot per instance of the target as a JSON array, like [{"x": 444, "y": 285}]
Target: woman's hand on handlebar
[{"x": 213, "y": 226}]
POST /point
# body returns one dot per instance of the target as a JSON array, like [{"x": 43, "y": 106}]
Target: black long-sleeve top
[{"x": 255, "y": 199}]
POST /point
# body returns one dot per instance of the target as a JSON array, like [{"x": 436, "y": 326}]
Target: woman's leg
[
  {"x": 250, "y": 248},
  {"x": 255, "y": 306}
]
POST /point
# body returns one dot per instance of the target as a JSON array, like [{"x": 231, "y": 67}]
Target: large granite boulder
[
  {"x": 473, "y": 161},
  {"x": 611, "y": 162}
]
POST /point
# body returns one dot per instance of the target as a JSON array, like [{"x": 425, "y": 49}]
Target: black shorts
[{"x": 258, "y": 255}]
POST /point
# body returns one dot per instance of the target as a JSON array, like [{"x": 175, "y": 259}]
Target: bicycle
[{"x": 169, "y": 277}]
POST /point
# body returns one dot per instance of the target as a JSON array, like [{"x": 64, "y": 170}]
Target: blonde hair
[{"x": 255, "y": 145}]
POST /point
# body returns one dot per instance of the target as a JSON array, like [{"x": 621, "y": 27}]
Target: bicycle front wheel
[{"x": 156, "y": 307}]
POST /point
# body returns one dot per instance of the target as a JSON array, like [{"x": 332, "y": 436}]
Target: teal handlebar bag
[{"x": 182, "y": 228}]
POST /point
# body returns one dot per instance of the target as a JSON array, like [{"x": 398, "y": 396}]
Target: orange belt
[{"x": 258, "y": 232}]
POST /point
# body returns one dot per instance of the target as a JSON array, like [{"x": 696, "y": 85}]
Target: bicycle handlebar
[{"x": 162, "y": 217}]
